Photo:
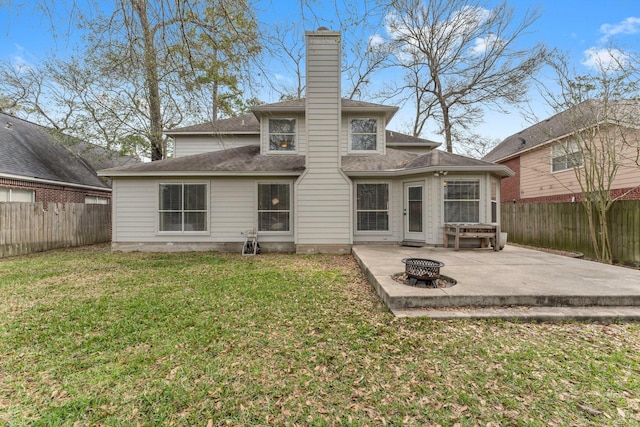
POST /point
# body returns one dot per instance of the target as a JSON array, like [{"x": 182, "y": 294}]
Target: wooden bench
[{"x": 483, "y": 232}]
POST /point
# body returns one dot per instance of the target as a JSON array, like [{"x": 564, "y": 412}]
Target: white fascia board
[
  {"x": 213, "y": 132},
  {"x": 389, "y": 112},
  {"x": 52, "y": 182},
  {"x": 197, "y": 174},
  {"x": 497, "y": 169}
]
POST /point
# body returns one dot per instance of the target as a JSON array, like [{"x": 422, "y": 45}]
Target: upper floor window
[
  {"x": 566, "y": 155},
  {"x": 282, "y": 134},
  {"x": 182, "y": 207},
  {"x": 364, "y": 134},
  {"x": 462, "y": 201}
]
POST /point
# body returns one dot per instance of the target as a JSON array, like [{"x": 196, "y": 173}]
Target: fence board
[
  {"x": 566, "y": 226},
  {"x": 29, "y": 227}
]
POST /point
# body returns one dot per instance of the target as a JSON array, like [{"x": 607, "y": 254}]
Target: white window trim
[
  {"x": 350, "y": 148},
  {"x": 296, "y": 136},
  {"x": 560, "y": 149},
  {"x": 205, "y": 232},
  {"x": 291, "y": 205},
  {"x": 9, "y": 192},
  {"x": 389, "y": 209},
  {"x": 479, "y": 200},
  {"x": 96, "y": 200}
]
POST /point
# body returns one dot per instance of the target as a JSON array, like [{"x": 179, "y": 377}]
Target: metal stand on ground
[{"x": 251, "y": 246}]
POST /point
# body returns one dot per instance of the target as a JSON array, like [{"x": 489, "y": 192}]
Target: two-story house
[
  {"x": 318, "y": 174},
  {"x": 548, "y": 157}
]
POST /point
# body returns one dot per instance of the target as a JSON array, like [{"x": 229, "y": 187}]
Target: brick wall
[
  {"x": 49, "y": 193},
  {"x": 618, "y": 194},
  {"x": 510, "y": 187}
]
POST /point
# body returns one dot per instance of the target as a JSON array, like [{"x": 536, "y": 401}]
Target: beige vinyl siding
[
  {"x": 134, "y": 209},
  {"x": 232, "y": 210},
  {"x": 537, "y": 179},
  {"x": 323, "y": 193},
  {"x": 187, "y": 145}
]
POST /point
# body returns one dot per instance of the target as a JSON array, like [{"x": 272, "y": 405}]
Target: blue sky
[{"x": 581, "y": 28}]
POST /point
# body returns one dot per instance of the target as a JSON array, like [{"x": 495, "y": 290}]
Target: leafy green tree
[{"x": 144, "y": 66}]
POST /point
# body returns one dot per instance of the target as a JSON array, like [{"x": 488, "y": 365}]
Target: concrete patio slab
[{"x": 515, "y": 276}]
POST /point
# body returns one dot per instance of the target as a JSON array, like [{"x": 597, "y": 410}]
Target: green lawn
[{"x": 90, "y": 337}]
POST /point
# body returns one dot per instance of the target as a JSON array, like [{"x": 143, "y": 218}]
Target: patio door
[{"x": 414, "y": 211}]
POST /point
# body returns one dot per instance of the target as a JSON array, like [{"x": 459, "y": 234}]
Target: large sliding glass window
[
  {"x": 182, "y": 207},
  {"x": 372, "y": 209},
  {"x": 462, "y": 201},
  {"x": 274, "y": 207}
]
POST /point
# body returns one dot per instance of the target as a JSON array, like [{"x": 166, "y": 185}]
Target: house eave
[
  {"x": 52, "y": 182},
  {"x": 414, "y": 144},
  {"x": 499, "y": 170},
  {"x": 389, "y": 112},
  {"x": 198, "y": 173},
  {"x": 212, "y": 132}
]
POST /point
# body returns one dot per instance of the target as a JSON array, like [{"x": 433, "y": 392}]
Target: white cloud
[
  {"x": 457, "y": 29},
  {"x": 629, "y": 25},
  {"x": 482, "y": 44},
  {"x": 605, "y": 58},
  {"x": 375, "y": 41}
]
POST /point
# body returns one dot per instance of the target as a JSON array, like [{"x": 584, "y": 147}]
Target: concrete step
[{"x": 528, "y": 314}]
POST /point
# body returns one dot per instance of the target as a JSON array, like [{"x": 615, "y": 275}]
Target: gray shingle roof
[
  {"x": 31, "y": 151},
  {"x": 393, "y": 137},
  {"x": 246, "y": 159},
  {"x": 398, "y": 160},
  {"x": 562, "y": 124},
  {"x": 245, "y": 123}
]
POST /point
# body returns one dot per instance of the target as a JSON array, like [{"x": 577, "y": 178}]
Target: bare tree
[
  {"x": 363, "y": 56},
  {"x": 459, "y": 57},
  {"x": 145, "y": 66},
  {"x": 599, "y": 113}
]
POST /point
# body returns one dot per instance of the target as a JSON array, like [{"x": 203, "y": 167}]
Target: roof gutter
[
  {"x": 197, "y": 173},
  {"x": 213, "y": 132},
  {"x": 501, "y": 170},
  {"x": 52, "y": 182}
]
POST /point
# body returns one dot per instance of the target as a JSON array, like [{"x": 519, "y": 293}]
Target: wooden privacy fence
[
  {"x": 29, "y": 227},
  {"x": 565, "y": 226}
]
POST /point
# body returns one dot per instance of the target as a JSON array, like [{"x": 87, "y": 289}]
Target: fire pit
[{"x": 422, "y": 270}]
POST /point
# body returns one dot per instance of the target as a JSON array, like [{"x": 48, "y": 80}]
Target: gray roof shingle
[
  {"x": 246, "y": 159},
  {"x": 31, "y": 151},
  {"x": 398, "y": 160},
  {"x": 562, "y": 124}
]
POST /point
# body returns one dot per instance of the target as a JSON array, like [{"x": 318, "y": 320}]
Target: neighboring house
[
  {"x": 311, "y": 175},
  {"x": 36, "y": 166},
  {"x": 544, "y": 155}
]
